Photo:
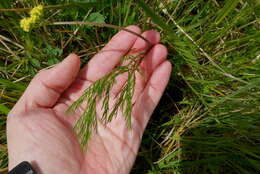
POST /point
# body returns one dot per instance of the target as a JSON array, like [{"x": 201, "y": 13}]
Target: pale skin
[{"x": 39, "y": 131}]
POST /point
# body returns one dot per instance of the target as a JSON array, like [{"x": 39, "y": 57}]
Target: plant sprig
[{"x": 100, "y": 91}]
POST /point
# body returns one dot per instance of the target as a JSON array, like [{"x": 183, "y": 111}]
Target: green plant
[{"x": 101, "y": 90}]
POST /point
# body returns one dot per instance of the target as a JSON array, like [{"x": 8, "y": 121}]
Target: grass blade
[
  {"x": 156, "y": 19},
  {"x": 229, "y": 7}
]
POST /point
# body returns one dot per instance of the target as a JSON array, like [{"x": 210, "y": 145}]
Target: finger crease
[{"x": 57, "y": 91}]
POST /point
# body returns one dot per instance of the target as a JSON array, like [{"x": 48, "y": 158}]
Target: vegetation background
[{"x": 208, "y": 120}]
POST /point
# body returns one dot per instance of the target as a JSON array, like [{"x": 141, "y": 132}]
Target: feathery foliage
[{"x": 101, "y": 90}]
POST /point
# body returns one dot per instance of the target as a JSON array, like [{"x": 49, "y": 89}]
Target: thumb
[{"x": 47, "y": 86}]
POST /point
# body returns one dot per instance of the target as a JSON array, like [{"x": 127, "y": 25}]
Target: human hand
[{"x": 38, "y": 131}]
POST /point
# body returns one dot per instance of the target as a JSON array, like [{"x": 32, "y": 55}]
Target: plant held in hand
[{"x": 100, "y": 90}]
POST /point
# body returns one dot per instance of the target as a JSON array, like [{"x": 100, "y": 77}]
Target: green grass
[{"x": 208, "y": 120}]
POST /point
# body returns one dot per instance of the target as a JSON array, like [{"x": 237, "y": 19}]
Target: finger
[
  {"x": 139, "y": 46},
  {"x": 154, "y": 58},
  {"x": 46, "y": 87},
  {"x": 151, "y": 95},
  {"x": 104, "y": 62}
]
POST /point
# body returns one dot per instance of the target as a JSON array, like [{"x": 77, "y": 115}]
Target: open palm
[{"x": 38, "y": 131}]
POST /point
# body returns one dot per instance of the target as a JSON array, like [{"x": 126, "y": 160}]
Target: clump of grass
[{"x": 216, "y": 127}]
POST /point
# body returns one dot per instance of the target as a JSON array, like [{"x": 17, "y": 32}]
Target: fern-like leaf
[{"x": 100, "y": 91}]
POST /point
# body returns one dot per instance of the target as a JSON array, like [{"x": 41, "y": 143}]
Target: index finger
[{"x": 104, "y": 61}]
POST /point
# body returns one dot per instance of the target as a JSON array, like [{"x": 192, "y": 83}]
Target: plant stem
[{"x": 103, "y": 25}]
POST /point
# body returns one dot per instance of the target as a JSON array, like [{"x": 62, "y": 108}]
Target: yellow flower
[
  {"x": 37, "y": 11},
  {"x": 35, "y": 15},
  {"x": 34, "y": 19},
  {"x": 25, "y": 24}
]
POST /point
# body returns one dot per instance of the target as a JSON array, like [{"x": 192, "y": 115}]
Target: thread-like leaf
[{"x": 100, "y": 90}]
